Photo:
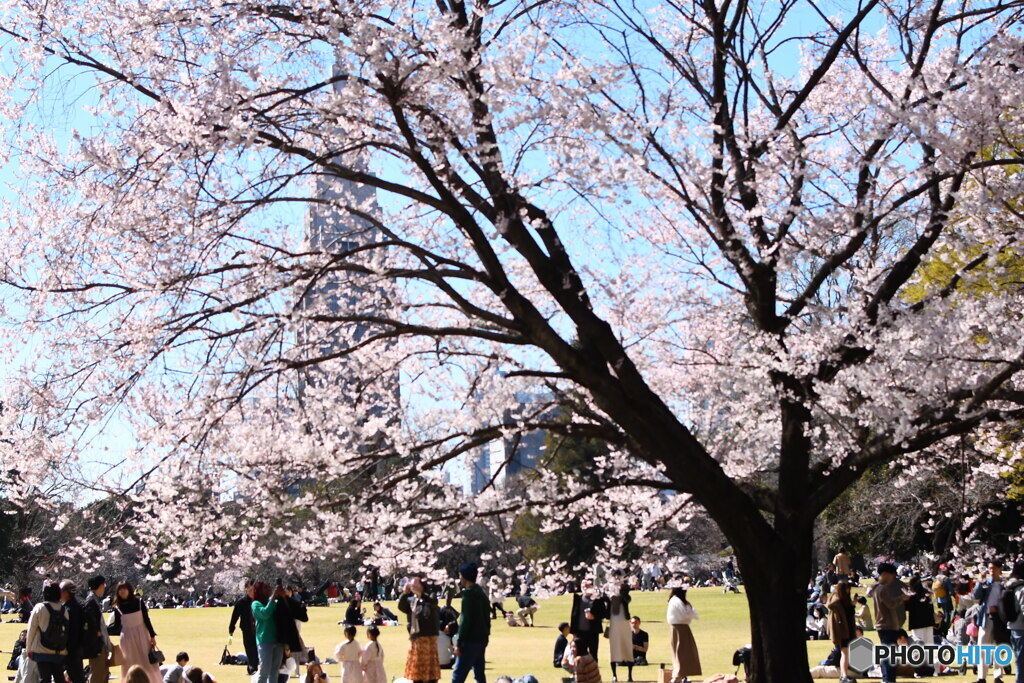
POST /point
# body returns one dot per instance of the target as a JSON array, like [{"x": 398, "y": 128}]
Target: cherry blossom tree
[{"x": 688, "y": 225}]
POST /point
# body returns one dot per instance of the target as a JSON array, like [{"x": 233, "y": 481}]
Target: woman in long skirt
[
  {"x": 422, "y": 664},
  {"x": 131, "y": 622},
  {"x": 620, "y": 637},
  {"x": 685, "y": 658}
]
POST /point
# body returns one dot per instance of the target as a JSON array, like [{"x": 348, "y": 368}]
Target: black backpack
[
  {"x": 1010, "y": 607},
  {"x": 55, "y": 637}
]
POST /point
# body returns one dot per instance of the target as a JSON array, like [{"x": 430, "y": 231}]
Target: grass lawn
[{"x": 721, "y": 629}]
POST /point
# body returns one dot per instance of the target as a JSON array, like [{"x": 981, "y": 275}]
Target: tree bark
[{"x": 775, "y": 576}]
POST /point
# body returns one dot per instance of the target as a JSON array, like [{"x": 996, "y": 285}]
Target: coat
[
  {"x": 840, "y": 620},
  {"x": 289, "y": 610},
  {"x": 94, "y": 640},
  {"x": 427, "y": 617},
  {"x": 76, "y": 627},
  {"x": 598, "y": 608}
]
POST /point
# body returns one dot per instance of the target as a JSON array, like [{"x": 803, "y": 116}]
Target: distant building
[
  {"x": 503, "y": 460},
  {"x": 335, "y": 226}
]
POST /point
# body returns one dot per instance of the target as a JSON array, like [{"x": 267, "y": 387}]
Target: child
[
  {"x": 287, "y": 666},
  {"x": 372, "y": 658},
  {"x": 446, "y": 646},
  {"x": 347, "y": 654},
  {"x": 174, "y": 673}
]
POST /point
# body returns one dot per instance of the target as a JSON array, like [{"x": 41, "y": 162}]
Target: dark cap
[{"x": 469, "y": 571}]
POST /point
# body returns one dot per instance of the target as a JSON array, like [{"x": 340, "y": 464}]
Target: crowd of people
[
  {"x": 68, "y": 639},
  {"x": 908, "y": 606},
  {"x": 64, "y": 634}
]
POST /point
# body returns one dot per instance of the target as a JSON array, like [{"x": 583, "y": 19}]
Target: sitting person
[
  {"x": 817, "y": 623},
  {"x": 315, "y": 673},
  {"x": 447, "y": 614},
  {"x": 354, "y": 614},
  {"x": 174, "y": 673},
  {"x": 446, "y": 645},
  {"x": 641, "y": 642},
  {"x": 382, "y": 615},
  {"x": 862, "y": 613},
  {"x": 907, "y": 670},
  {"x": 561, "y": 644}
]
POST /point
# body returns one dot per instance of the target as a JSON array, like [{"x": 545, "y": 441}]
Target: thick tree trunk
[{"x": 775, "y": 579}]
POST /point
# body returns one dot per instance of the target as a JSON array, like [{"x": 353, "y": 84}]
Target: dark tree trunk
[{"x": 775, "y": 576}]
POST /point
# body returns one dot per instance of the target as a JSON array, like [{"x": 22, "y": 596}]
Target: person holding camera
[
  {"x": 271, "y": 650},
  {"x": 421, "y": 664}
]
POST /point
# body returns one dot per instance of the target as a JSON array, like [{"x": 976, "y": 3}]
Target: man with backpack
[
  {"x": 1012, "y": 606},
  {"x": 47, "y": 640}
]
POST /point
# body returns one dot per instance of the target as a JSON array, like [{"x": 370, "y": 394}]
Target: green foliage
[{"x": 569, "y": 458}]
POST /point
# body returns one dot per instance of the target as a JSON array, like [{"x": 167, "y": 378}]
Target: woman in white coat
[{"x": 685, "y": 659}]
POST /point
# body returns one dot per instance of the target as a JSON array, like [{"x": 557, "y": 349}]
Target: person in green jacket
[
  {"x": 264, "y": 605},
  {"x": 474, "y": 628}
]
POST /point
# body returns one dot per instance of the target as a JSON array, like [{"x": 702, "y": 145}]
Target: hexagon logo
[{"x": 862, "y": 655}]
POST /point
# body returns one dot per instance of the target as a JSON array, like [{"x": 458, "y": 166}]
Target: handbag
[
  {"x": 115, "y": 657},
  {"x": 156, "y": 657}
]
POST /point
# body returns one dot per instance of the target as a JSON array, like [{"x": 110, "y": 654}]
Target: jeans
[
  {"x": 1017, "y": 642},
  {"x": 888, "y": 637},
  {"x": 472, "y": 657},
  {"x": 271, "y": 655}
]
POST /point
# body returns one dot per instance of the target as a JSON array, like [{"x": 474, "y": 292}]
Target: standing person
[
  {"x": 271, "y": 651},
  {"x": 620, "y": 642},
  {"x": 96, "y": 644},
  {"x": 991, "y": 627},
  {"x": 920, "y": 613},
  {"x": 496, "y": 589},
  {"x": 421, "y": 665},
  {"x": 842, "y": 562},
  {"x": 942, "y": 589},
  {"x": 372, "y": 658},
  {"x": 641, "y": 642},
  {"x": 47, "y": 637},
  {"x": 889, "y": 598},
  {"x": 679, "y": 616},
  {"x": 1015, "y": 588},
  {"x": 589, "y": 608},
  {"x": 841, "y": 625},
  {"x": 241, "y": 614},
  {"x": 76, "y": 631},
  {"x": 131, "y": 622},
  {"x": 288, "y": 620},
  {"x": 474, "y": 628},
  {"x": 349, "y": 655}
]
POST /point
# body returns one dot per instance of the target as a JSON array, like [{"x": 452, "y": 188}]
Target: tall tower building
[{"x": 340, "y": 294}]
